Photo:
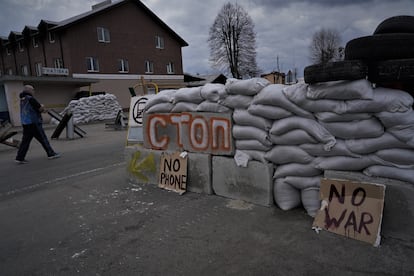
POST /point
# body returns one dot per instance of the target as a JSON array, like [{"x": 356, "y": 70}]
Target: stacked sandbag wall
[{"x": 304, "y": 130}]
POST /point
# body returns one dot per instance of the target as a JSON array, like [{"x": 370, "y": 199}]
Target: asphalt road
[{"x": 79, "y": 215}]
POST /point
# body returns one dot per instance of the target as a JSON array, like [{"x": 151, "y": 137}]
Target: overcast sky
[{"x": 284, "y": 28}]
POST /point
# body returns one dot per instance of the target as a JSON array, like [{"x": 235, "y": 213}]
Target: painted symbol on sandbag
[{"x": 138, "y": 110}]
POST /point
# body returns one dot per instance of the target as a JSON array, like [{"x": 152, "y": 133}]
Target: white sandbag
[
  {"x": 385, "y": 99},
  {"x": 213, "y": 92},
  {"x": 370, "y": 145},
  {"x": 273, "y": 95},
  {"x": 344, "y": 163},
  {"x": 288, "y": 154},
  {"x": 269, "y": 111},
  {"x": 397, "y": 156},
  {"x": 301, "y": 183},
  {"x": 347, "y": 117},
  {"x": 244, "y": 118},
  {"x": 251, "y": 144},
  {"x": 391, "y": 119},
  {"x": 164, "y": 96},
  {"x": 236, "y": 101},
  {"x": 286, "y": 196},
  {"x": 297, "y": 94},
  {"x": 255, "y": 155},
  {"x": 341, "y": 90},
  {"x": 184, "y": 107},
  {"x": 404, "y": 133},
  {"x": 339, "y": 149},
  {"x": 160, "y": 108},
  {"x": 369, "y": 128},
  {"x": 296, "y": 169},
  {"x": 406, "y": 175},
  {"x": 207, "y": 106},
  {"x": 241, "y": 158},
  {"x": 250, "y": 132},
  {"x": 311, "y": 200},
  {"x": 249, "y": 87},
  {"x": 316, "y": 130},
  {"x": 188, "y": 94},
  {"x": 293, "y": 137}
]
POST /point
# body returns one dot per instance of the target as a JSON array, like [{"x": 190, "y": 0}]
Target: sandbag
[
  {"x": 184, "y": 107},
  {"x": 311, "y": 200},
  {"x": 288, "y": 154},
  {"x": 339, "y": 149},
  {"x": 286, "y": 196},
  {"x": 248, "y": 87},
  {"x": 273, "y": 95},
  {"x": 344, "y": 163},
  {"x": 397, "y": 157},
  {"x": 391, "y": 119},
  {"x": 236, "y": 101},
  {"x": 404, "y": 133},
  {"x": 160, "y": 108},
  {"x": 188, "y": 94},
  {"x": 293, "y": 137},
  {"x": 297, "y": 95},
  {"x": 268, "y": 111},
  {"x": 296, "y": 169},
  {"x": 164, "y": 96},
  {"x": 385, "y": 99},
  {"x": 347, "y": 117},
  {"x": 244, "y": 118},
  {"x": 370, "y": 145},
  {"x": 213, "y": 92},
  {"x": 257, "y": 155},
  {"x": 316, "y": 130},
  {"x": 207, "y": 106},
  {"x": 301, "y": 183},
  {"x": 406, "y": 175},
  {"x": 251, "y": 144},
  {"x": 369, "y": 128},
  {"x": 341, "y": 90},
  {"x": 250, "y": 132}
]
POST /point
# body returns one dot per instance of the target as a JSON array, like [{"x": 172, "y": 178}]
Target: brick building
[{"x": 109, "y": 48}]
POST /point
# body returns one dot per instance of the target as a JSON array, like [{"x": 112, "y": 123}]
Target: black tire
[
  {"x": 380, "y": 47},
  {"x": 400, "y": 70},
  {"x": 396, "y": 24},
  {"x": 333, "y": 71}
]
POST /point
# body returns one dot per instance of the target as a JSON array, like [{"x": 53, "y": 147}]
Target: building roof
[{"x": 105, "y": 7}]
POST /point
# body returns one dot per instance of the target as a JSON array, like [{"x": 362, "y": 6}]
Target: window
[
  {"x": 149, "y": 67},
  {"x": 103, "y": 35},
  {"x": 123, "y": 66},
  {"x": 58, "y": 62},
  {"x": 25, "y": 70},
  {"x": 159, "y": 42},
  {"x": 170, "y": 68},
  {"x": 9, "y": 71},
  {"x": 8, "y": 51},
  {"x": 20, "y": 46},
  {"x": 35, "y": 41},
  {"x": 38, "y": 68},
  {"x": 51, "y": 37},
  {"x": 92, "y": 64}
]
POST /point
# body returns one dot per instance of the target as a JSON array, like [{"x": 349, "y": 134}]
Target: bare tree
[
  {"x": 232, "y": 42},
  {"x": 325, "y": 46}
]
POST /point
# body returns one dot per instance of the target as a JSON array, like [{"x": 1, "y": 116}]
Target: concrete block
[
  {"x": 398, "y": 216},
  {"x": 143, "y": 166},
  {"x": 253, "y": 183}
]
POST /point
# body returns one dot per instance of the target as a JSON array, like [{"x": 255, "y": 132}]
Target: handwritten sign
[
  {"x": 351, "y": 209},
  {"x": 173, "y": 172}
]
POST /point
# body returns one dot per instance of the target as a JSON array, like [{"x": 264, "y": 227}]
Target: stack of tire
[{"x": 385, "y": 58}]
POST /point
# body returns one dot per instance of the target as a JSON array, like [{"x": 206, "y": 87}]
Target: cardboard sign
[
  {"x": 173, "y": 172},
  {"x": 351, "y": 209}
]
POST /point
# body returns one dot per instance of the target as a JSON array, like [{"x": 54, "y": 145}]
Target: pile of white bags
[
  {"x": 306, "y": 129},
  {"x": 94, "y": 108}
]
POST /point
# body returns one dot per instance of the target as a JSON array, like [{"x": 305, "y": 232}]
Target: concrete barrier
[{"x": 253, "y": 183}]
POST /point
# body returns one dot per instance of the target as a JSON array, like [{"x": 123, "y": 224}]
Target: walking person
[{"x": 32, "y": 122}]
